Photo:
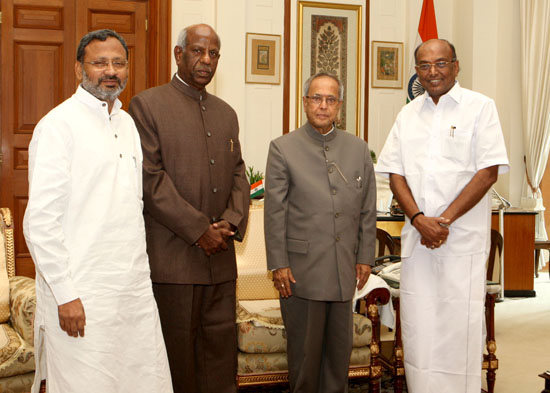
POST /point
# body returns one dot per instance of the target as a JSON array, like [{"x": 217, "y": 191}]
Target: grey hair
[
  {"x": 320, "y": 74},
  {"x": 182, "y": 37},
  {"x": 100, "y": 35}
]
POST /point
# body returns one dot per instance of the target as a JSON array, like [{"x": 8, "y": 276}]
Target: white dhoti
[
  {"x": 442, "y": 301},
  {"x": 122, "y": 350}
]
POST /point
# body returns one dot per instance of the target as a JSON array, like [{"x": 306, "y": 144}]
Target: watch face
[{"x": 415, "y": 88}]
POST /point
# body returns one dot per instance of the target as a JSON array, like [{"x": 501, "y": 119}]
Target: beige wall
[{"x": 485, "y": 33}]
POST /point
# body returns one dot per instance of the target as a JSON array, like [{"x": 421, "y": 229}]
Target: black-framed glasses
[
  {"x": 318, "y": 99},
  {"x": 438, "y": 65},
  {"x": 118, "y": 64}
]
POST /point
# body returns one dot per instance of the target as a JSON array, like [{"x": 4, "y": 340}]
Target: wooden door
[{"x": 38, "y": 45}]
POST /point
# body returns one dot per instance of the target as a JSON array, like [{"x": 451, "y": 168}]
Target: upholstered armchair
[
  {"x": 261, "y": 335},
  {"x": 17, "y": 306}
]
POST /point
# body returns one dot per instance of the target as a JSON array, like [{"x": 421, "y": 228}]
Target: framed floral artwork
[
  {"x": 387, "y": 64},
  {"x": 263, "y": 58},
  {"x": 329, "y": 39}
]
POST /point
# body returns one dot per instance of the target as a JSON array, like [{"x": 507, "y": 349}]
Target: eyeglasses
[
  {"x": 438, "y": 65},
  {"x": 103, "y": 64},
  {"x": 318, "y": 99}
]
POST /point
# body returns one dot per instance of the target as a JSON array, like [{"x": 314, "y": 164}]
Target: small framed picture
[
  {"x": 263, "y": 58},
  {"x": 387, "y": 64}
]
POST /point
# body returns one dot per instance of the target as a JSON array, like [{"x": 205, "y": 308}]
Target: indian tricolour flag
[
  {"x": 257, "y": 189},
  {"x": 427, "y": 30}
]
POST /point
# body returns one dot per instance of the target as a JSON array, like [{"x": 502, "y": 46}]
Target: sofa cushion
[
  {"x": 16, "y": 356},
  {"x": 260, "y": 339},
  {"x": 260, "y": 328},
  {"x": 362, "y": 331},
  {"x": 17, "y": 383},
  {"x": 256, "y": 363},
  {"x": 264, "y": 312},
  {"x": 23, "y": 306},
  {"x": 360, "y": 356}
]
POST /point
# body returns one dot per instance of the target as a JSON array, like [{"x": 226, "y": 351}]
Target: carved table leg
[
  {"x": 490, "y": 358},
  {"x": 399, "y": 362}
]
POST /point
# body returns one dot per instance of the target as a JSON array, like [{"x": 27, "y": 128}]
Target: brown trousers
[
  {"x": 198, "y": 323},
  {"x": 319, "y": 344}
]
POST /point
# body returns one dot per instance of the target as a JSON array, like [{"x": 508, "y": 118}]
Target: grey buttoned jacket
[{"x": 320, "y": 211}]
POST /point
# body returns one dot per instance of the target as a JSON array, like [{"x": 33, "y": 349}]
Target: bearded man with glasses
[
  {"x": 443, "y": 154},
  {"x": 97, "y": 327},
  {"x": 320, "y": 231}
]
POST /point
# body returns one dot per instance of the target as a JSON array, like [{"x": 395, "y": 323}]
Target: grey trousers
[
  {"x": 198, "y": 324},
  {"x": 320, "y": 338}
]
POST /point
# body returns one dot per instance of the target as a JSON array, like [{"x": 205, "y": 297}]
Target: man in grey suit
[{"x": 320, "y": 230}]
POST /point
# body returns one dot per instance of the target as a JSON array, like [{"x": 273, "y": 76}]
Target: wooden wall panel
[
  {"x": 121, "y": 22},
  {"x": 38, "y": 79},
  {"x": 38, "y": 18}
]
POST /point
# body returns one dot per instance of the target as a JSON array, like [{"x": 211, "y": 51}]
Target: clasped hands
[
  {"x": 214, "y": 240},
  {"x": 433, "y": 230}
]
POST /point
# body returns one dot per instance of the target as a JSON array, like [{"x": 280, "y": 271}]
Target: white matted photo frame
[
  {"x": 329, "y": 39},
  {"x": 387, "y": 64},
  {"x": 263, "y": 58}
]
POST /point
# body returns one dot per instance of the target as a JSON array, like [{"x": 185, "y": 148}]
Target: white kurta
[
  {"x": 438, "y": 149},
  {"x": 85, "y": 231}
]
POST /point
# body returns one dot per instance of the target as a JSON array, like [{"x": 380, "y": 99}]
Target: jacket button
[
  {"x": 336, "y": 215},
  {"x": 203, "y": 108},
  {"x": 214, "y": 190},
  {"x": 337, "y": 238},
  {"x": 326, "y": 148},
  {"x": 208, "y": 134},
  {"x": 330, "y": 170},
  {"x": 212, "y": 161},
  {"x": 333, "y": 192}
]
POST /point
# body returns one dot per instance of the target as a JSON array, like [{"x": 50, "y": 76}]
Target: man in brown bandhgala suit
[{"x": 196, "y": 202}]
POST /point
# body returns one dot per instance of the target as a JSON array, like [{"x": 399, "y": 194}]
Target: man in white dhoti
[
  {"x": 443, "y": 154},
  {"x": 96, "y": 327}
]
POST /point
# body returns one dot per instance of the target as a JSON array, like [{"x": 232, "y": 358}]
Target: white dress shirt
[{"x": 438, "y": 149}]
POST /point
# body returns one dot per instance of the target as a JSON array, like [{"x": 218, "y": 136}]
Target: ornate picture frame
[
  {"x": 329, "y": 39},
  {"x": 387, "y": 65},
  {"x": 263, "y": 58}
]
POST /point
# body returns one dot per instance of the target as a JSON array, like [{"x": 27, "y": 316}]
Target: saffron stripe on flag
[
  {"x": 257, "y": 189},
  {"x": 427, "y": 30}
]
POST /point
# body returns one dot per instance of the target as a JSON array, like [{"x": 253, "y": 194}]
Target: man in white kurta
[
  {"x": 97, "y": 327},
  {"x": 443, "y": 154}
]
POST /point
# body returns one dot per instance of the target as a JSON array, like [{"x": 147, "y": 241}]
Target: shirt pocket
[{"x": 456, "y": 145}]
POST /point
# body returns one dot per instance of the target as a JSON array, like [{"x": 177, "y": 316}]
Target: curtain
[{"x": 535, "y": 95}]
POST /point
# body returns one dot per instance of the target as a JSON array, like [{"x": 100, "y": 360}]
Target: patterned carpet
[{"x": 355, "y": 386}]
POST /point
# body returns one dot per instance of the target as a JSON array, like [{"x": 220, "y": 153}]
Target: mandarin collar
[
  {"x": 313, "y": 133},
  {"x": 198, "y": 95},
  {"x": 93, "y": 102}
]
